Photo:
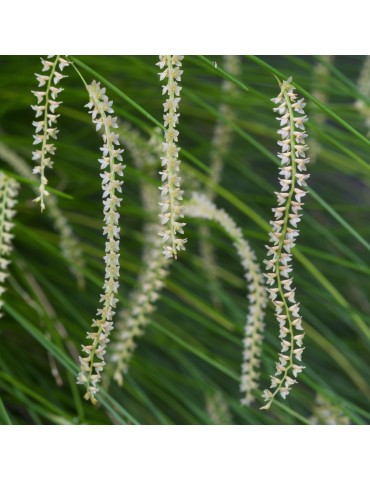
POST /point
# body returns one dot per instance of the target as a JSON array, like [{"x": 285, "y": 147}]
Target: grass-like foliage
[{"x": 179, "y": 349}]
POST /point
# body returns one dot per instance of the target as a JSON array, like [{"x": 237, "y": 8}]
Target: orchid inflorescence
[
  {"x": 93, "y": 363},
  {"x": 46, "y": 118},
  {"x": 283, "y": 237},
  {"x": 171, "y": 193}
]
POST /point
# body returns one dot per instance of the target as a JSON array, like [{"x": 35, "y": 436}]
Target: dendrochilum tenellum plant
[
  {"x": 282, "y": 239},
  {"x": 93, "y": 363},
  {"x": 201, "y": 207},
  {"x": 176, "y": 374},
  {"x": 8, "y": 200},
  {"x": 171, "y": 193},
  {"x": 46, "y": 118}
]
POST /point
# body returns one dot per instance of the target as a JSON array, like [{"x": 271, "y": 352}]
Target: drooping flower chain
[
  {"x": 171, "y": 193},
  {"x": 8, "y": 199},
  {"x": 68, "y": 241},
  {"x": 46, "y": 127},
  {"x": 282, "y": 239},
  {"x": 93, "y": 363},
  {"x": 201, "y": 207}
]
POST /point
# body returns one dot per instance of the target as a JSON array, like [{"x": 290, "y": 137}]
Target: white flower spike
[
  {"x": 171, "y": 193},
  {"x": 8, "y": 200},
  {"x": 92, "y": 363},
  {"x": 45, "y": 111},
  {"x": 201, "y": 207},
  {"x": 282, "y": 240}
]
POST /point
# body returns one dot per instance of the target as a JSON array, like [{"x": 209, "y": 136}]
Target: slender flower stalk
[
  {"x": 171, "y": 193},
  {"x": 69, "y": 243},
  {"x": 283, "y": 237},
  {"x": 325, "y": 413},
  {"x": 46, "y": 118},
  {"x": 93, "y": 363},
  {"x": 8, "y": 200},
  {"x": 201, "y": 207}
]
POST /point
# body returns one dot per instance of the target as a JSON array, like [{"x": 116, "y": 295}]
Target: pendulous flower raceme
[
  {"x": 171, "y": 193},
  {"x": 93, "y": 363},
  {"x": 46, "y": 118},
  {"x": 283, "y": 237},
  {"x": 201, "y": 207},
  {"x": 8, "y": 199}
]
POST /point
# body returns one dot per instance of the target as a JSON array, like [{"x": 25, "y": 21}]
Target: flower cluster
[
  {"x": 171, "y": 193},
  {"x": 201, "y": 207},
  {"x": 324, "y": 413},
  {"x": 283, "y": 237},
  {"x": 93, "y": 363},
  {"x": 46, "y": 118},
  {"x": 8, "y": 199},
  {"x": 134, "y": 319},
  {"x": 68, "y": 242}
]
